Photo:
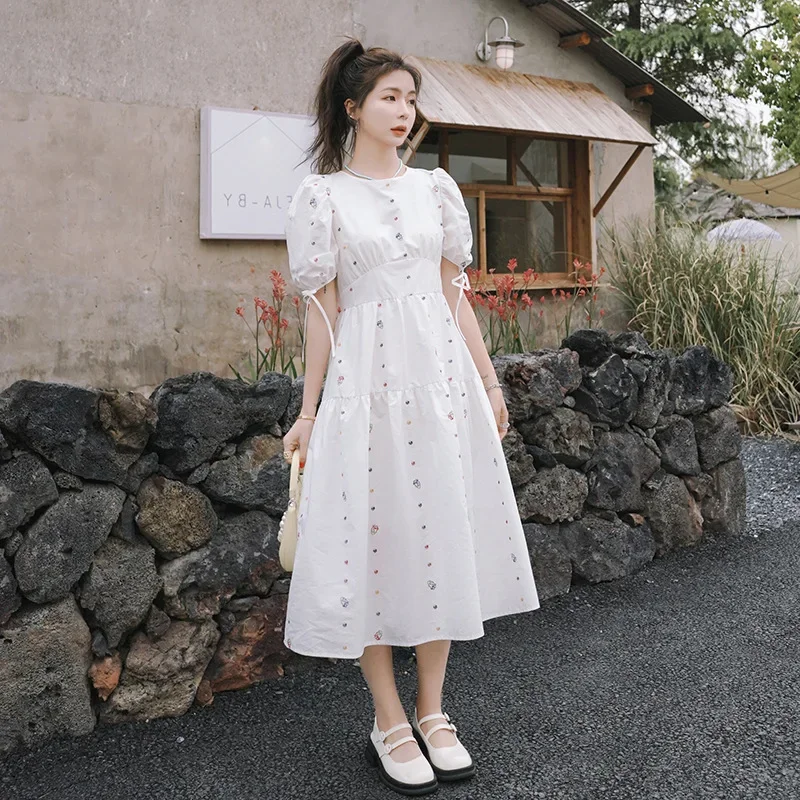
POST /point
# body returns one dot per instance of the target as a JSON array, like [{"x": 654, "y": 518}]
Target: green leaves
[
  {"x": 708, "y": 52},
  {"x": 772, "y": 68}
]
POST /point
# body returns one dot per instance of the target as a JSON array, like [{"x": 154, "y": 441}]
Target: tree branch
[{"x": 760, "y": 28}]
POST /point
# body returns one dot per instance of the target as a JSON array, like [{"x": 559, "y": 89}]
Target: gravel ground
[{"x": 681, "y": 682}]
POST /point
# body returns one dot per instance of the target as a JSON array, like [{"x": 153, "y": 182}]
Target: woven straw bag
[{"x": 287, "y": 529}]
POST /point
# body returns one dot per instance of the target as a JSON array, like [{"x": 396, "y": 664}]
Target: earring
[{"x": 355, "y": 124}]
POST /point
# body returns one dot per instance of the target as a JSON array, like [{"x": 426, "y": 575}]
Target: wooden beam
[
  {"x": 616, "y": 182},
  {"x": 583, "y": 225},
  {"x": 642, "y": 90},
  {"x": 532, "y": 178},
  {"x": 575, "y": 40},
  {"x": 411, "y": 150}
]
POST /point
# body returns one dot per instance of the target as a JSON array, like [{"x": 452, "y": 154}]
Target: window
[{"x": 522, "y": 193}]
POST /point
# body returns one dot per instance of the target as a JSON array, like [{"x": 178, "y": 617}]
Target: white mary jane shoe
[
  {"x": 450, "y": 763},
  {"x": 412, "y": 777}
]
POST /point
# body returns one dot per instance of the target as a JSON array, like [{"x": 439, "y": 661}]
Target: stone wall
[{"x": 139, "y": 564}]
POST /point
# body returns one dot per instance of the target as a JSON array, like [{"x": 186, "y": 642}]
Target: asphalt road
[{"x": 679, "y": 682}]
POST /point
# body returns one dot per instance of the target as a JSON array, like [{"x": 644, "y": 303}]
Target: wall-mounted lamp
[{"x": 504, "y": 57}]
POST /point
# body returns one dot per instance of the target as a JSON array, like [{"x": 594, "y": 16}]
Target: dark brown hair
[{"x": 350, "y": 72}]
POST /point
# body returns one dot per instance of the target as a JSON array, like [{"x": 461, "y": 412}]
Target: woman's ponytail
[{"x": 350, "y": 72}]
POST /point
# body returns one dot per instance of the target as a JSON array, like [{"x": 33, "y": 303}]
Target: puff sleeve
[
  {"x": 457, "y": 243},
  {"x": 310, "y": 244}
]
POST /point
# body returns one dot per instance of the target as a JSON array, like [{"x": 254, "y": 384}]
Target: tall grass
[{"x": 679, "y": 290}]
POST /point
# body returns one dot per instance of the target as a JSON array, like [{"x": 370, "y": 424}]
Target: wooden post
[{"x": 583, "y": 225}]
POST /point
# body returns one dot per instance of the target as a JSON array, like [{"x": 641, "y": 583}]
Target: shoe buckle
[
  {"x": 388, "y": 747},
  {"x": 381, "y": 735}
]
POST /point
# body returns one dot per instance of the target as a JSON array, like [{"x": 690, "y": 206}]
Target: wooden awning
[{"x": 457, "y": 95}]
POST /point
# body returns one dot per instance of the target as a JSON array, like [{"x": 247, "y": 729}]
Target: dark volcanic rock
[
  {"x": 536, "y": 381},
  {"x": 673, "y": 514},
  {"x": 724, "y": 506},
  {"x": 58, "y": 548},
  {"x": 621, "y": 463},
  {"x": 605, "y": 549},
  {"x": 718, "y": 437},
  {"x": 675, "y": 437},
  {"x": 257, "y": 477},
  {"x": 518, "y": 460},
  {"x": 553, "y": 495},
  {"x": 173, "y": 517},
  {"x": 44, "y": 657},
  {"x": 593, "y": 346},
  {"x": 119, "y": 587},
  {"x": 563, "y": 433},
  {"x": 608, "y": 393},
  {"x": 196, "y": 584},
  {"x": 699, "y": 381},
  {"x": 199, "y": 413},
  {"x": 161, "y": 676},
  {"x": 552, "y": 567},
  {"x": 91, "y": 433},
  {"x": 25, "y": 486}
]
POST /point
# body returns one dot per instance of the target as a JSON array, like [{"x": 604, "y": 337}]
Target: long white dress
[{"x": 408, "y": 529}]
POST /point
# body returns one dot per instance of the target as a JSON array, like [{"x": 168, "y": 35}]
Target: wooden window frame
[{"x": 580, "y": 229}]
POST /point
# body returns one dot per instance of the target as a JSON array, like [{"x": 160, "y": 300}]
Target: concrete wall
[
  {"x": 105, "y": 281},
  {"x": 786, "y": 252}
]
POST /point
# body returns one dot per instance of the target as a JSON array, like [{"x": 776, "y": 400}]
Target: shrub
[{"x": 679, "y": 290}]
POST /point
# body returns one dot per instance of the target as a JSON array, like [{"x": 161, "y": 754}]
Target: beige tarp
[{"x": 781, "y": 190}]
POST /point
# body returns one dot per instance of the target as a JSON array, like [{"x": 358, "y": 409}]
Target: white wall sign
[{"x": 249, "y": 170}]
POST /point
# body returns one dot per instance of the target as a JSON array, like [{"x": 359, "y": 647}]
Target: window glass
[
  {"x": 427, "y": 155},
  {"x": 532, "y": 231},
  {"x": 542, "y": 162},
  {"x": 478, "y": 157}
]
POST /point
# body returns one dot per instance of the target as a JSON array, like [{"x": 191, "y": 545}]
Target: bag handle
[{"x": 294, "y": 475}]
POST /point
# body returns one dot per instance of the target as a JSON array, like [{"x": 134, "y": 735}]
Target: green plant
[
  {"x": 679, "y": 289},
  {"x": 274, "y": 356}
]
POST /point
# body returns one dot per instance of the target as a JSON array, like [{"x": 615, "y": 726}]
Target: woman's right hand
[{"x": 297, "y": 437}]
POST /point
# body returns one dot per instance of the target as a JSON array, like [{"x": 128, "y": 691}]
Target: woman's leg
[
  {"x": 431, "y": 665},
  {"x": 378, "y": 668}
]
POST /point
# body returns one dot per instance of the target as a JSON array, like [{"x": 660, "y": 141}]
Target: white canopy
[{"x": 742, "y": 230}]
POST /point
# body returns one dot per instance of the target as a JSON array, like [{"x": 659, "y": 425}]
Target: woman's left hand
[{"x": 500, "y": 410}]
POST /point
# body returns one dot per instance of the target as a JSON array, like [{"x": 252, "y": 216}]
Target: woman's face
[{"x": 391, "y": 104}]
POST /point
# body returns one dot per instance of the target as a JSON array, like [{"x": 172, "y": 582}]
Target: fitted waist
[{"x": 397, "y": 278}]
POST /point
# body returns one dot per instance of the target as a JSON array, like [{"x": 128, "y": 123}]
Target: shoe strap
[
  {"x": 389, "y": 746},
  {"x": 434, "y": 716},
  {"x": 439, "y": 727},
  {"x": 384, "y": 734}
]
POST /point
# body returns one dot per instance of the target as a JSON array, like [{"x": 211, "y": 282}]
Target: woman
[{"x": 408, "y": 530}]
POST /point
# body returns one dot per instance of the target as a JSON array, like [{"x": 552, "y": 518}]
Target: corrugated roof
[
  {"x": 559, "y": 15},
  {"x": 480, "y": 97},
  {"x": 564, "y": 18}
]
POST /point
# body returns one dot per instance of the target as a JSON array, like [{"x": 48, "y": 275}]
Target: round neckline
[{"x": 376, "y": 180}]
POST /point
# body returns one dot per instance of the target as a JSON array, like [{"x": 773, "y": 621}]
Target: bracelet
[
  {"x": 494, "y": 386},
  {"x": 305, "y": 416}
]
